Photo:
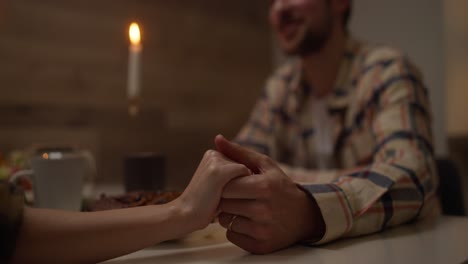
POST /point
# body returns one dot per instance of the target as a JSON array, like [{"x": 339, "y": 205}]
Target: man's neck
[{"x": 321, "y": 68}]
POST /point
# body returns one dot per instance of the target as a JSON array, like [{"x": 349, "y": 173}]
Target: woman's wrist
[{"x": 183, "y": 214}]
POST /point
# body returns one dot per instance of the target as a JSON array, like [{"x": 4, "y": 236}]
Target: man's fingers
[
  {"x": 255, "y": 210},
  {"x": 235, "y": 170},
  {"x": 240, "y": 207},
  {"x": 247, "y": 243},
  {"x": 242, "y": 188},
  {"x": 234, "y": 207},
  {"x": 243, "y": 241},
  {"x": 247, "y": 228},
  {"x": 237, "y": 224},
  {"x": 255, "y": 161}
]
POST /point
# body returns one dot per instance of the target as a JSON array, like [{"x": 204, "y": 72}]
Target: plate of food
[{"x": 131, "y": 199}]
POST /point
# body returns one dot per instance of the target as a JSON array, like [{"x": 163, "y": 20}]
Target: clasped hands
[{"x": 262, "y": 209}]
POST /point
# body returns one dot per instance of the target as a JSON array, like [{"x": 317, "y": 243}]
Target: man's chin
[
  {"x": 290, "y": 48},
  {"x": 310, "y": 44},
  {"x": 294, "y": 45}
]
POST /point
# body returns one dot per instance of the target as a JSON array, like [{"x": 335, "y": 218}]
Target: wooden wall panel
[{"x": 63, "y": 76}]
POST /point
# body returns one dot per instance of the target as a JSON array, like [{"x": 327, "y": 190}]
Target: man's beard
[{"x": 312, "y": 41}]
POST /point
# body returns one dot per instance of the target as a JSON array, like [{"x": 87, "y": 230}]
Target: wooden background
[{"x": 63, "y": 66}]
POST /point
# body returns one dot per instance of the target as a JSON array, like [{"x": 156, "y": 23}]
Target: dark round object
[{"x": 144, "y": 172}]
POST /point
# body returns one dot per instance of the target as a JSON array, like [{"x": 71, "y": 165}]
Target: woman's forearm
[{"x": 49, "y": 236}]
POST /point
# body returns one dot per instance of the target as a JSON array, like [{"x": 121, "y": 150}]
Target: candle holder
[
  {"x": 145, "y": 171},
  {"x": 134, "y": 106}
]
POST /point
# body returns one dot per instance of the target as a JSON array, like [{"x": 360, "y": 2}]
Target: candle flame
[{"x": 134, "y": 33}]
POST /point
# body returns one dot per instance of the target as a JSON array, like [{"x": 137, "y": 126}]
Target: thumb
[{"x": 253, "y": 160}]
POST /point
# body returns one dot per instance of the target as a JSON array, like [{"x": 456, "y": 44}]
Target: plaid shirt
[{"x": 382, "y": 129}]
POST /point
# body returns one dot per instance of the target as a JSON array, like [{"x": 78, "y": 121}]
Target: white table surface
[{"x": 441, "y": 240}]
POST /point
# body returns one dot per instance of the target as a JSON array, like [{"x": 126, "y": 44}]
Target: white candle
[{"x": 134, "y": 67}]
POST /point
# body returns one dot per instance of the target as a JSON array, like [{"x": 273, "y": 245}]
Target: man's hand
[{"x": 271, "y": 212}]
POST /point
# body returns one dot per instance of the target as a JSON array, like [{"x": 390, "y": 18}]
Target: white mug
[{"x": 58, "y": 178}]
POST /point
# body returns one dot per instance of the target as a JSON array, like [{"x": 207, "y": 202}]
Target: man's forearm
[{"x": 48, "y": 236}]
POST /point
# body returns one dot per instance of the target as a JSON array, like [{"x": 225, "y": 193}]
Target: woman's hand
[
  {"x": 200, "y": 200},
  {"x": 98, "y": 236}
]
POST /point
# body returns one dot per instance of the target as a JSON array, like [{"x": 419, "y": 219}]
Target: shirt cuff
[{"x": 335, "y": 209}]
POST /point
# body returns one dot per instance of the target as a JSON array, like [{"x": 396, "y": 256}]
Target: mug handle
[
  {"x": 88, "y": 189},
  {"x": 91, "y": 163},
  {"x": 20, "y": 174}
]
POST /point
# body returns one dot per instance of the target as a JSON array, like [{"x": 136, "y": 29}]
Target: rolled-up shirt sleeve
[
  {"x": 11, "y": 212},
  {"x": 400, "y": 183}
]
